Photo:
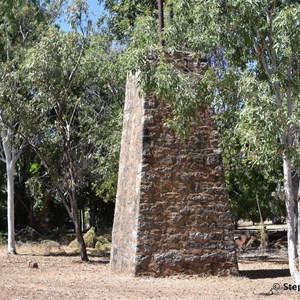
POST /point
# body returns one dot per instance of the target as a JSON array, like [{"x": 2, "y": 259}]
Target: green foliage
[
  {"x": 124, "y": 13},
  {"x": 78, "y": 94},
  {"x": 108, "y": 155},
  {"x": 34, "y": 168},
  {"x": 68, "y": 100},
  {"x": 245, "y": 184},
  {"x": 20, "y": 24}
]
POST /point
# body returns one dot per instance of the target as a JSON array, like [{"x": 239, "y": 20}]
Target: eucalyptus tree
[
  {"x": 263, "y": 46},
  {"x": 73, "y": 93},
  {"x": 10, "y": 149},
  {"x": 21, "y": 22},
  {"x": 260, "y": 41}
]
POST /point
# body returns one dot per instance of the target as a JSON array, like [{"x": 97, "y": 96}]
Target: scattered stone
[{"x": 33, "y": 265}]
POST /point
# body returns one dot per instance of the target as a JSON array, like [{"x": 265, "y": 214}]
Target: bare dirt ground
[{"x": 61, "y": 275}]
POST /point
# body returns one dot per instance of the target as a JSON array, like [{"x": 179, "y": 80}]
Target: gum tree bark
[
  {"x": 10, "y": 156},
  {"x": 291, "y": 218}
]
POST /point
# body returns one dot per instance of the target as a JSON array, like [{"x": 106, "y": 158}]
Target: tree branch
[
  {"x": 7, "y": 39},
  {"x": 269, "y": 72},
  {"x": 259, "y": 51},
  {"x": 289, "y": 88},
  {"x": 71, "y": 119},
  {"x": 53, "y": 17},
  {"x": 4, "y": 137},
  {"x": 271, "y": 51},
  {"x": 17, "y": 153},
  {"x": 289, "y": 98},
  {"x": 2, "y": 156},
  {"x": 63, "y": 199},
  {"x": 75, "y": 68}
]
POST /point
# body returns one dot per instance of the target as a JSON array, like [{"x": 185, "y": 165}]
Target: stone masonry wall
[
  {"x": 172, "y": 214},
  {"x": 123, "y": 254}
]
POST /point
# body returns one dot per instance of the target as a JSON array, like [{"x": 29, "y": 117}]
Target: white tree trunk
[
  {"x": 297, "y": 260},
  {"x": 291, "y": 218},
  {"x": 11, "y": 245},
  {"x": 10, "y": 158},
  {"x": 297, "y": 195}
]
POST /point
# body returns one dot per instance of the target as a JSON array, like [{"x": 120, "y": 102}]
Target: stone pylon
[{"x": 172, "y": 213}]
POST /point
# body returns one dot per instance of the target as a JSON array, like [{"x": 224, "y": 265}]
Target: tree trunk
[
  {"x": 72, "y": 210},
  {"x": 79, "y": 236},
  {"x": 74, "y": 203},
  {"x": 297, "y": 194},
  {"x": 297, "y": 260},
  {"x": 10, "y": 157},
  {"x": 11, "y": 246},
  {"x": 291, "y": 224},
  {"x": 83, "y": 253}
]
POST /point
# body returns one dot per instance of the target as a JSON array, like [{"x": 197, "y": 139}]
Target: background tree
[
  {"x": 269, "y": 88},
  {"x": 20, "y": 26},
  {"x": 247, "y": 179},
  {"x": 94, "y": 83},
  {"x": 72, "y": 99}
]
